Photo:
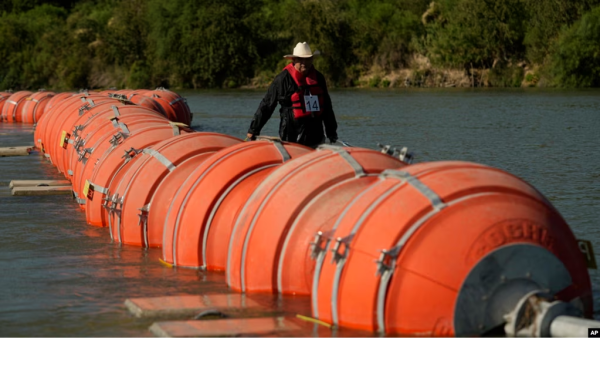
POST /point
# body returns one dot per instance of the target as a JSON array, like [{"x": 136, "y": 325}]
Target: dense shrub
[
  {"x": 69, "y": 44},
  {"x": 576, "y": 60}
]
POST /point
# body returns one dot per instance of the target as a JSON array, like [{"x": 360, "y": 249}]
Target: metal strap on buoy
[
  {"x": 77, "y": 199},
  {"x": 143, "y": 220},
  {"x": 358, "y": 169},
  {"x": 339, "y": 258},
  {"x": 177, "y": 126},
  {"x": 285, "y": 155},
  {"x": 177, "y": 100},
  {"x": 387, "y": 260},
  {"x": 120, "y": 125},
  {"x": 97, "y": 188},
  {"x": 319, "y": 254},
  {"x": 14, "y": 113},
  {"x": 161, "y": 158},
  {"x": 111, "y": 206}
]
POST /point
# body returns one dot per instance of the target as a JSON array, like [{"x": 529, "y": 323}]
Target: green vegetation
[{"x": 231, "y": 43}]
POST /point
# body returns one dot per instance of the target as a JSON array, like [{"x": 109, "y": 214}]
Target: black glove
[{"x": 332, "y": 141}]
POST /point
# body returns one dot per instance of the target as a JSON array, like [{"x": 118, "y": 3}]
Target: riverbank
[{"x": 422, "y": 74}]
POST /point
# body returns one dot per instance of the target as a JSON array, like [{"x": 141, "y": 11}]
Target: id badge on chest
[{"x": 312, "y": 103}]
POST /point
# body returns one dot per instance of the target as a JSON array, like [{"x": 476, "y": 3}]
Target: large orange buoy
[
  {"x": 138, "y": 184},
  {"x": 427, "y": 250},
  {"x": 41, "y": 127},
  {"x": 146, "y": 101},
  {"x": 163, "y": 196},
  {"x": 113, "y": 162},
  {"x": 71, "y": 128},
  {"x": 3, "y": 98},
  {"x": 175, "y": 106},
  {"x": 110, "y": 119},
  {"x": 51, "y": 122},
  {"x": 34, "y": 106},
  {"x": 295, "y": 263},
  {"x": 11, "y": 112},
  {"x": 58, "y": 134},
  {"x": 259, "y": 232},
  {"x": 199, "y": 219},
  {"x": 102, "y": 139}
]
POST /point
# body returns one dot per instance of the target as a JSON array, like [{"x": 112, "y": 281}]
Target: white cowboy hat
[{"x": 302, "y": 50}]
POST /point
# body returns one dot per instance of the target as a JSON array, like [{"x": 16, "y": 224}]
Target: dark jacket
[{"x": 307, "y": 131}]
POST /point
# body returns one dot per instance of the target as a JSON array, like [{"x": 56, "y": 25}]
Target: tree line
[{"x": 229, "y": 43}]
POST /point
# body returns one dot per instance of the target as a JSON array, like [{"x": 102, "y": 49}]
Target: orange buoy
[
  {"x": 259, "y": 232},
  {"x": 138, "y": 184},
  {"x": 58, "y": 134},
  {"x": 11, "y": 112},
  {"x": 34, "y": 106},
  {"x": 50, "y": 123},
  {"x": 412, "y": 254},
  {"x": 113, "y": 162},
  {"x": 104, "y": 138},
  {"x": 199, "y": 219},
  {"x": 175, "y": 106},
  {"x": 163, "y": 196},
  {"x": 146, "y": 101},
  {"x": 109, "y": 118},
  {"x": 3, "y": 98},
  {"x": 295, "y": 263},
  {"x": 41, "y": 127}
]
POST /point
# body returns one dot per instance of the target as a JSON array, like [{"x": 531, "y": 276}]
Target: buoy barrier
[
  {"x": 431, "y": 249},
  {"x": 84, "y": 160},
  {"x": 112, "y": 164},
  {"x": 55, "y": 100},
  {"x": 137, "y": 185},
  {"x": 4, "y": 95},
  {"x": 56, "y": 115},
  {"x": 422, "y": 249},
  {"x": 138, "y": 98},
  {"x": 174, "y": 105},
  {"x": 58, "y": 134},
  {"x": 110, "y": 119},
  {"x": 259, "y": 232},
  {"x": 34, "y": 106},
  {"x": 199, "y": 219},
  {"x": 11, "y": 111}
]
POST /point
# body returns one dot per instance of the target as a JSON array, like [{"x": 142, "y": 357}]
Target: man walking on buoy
[{"x": 305, "y": 103}]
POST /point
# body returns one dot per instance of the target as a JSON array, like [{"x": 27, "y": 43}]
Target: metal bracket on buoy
[
  {"x": 386, "y": 261},
  {"x": 315, "y": 245},
  {"x": 117, "y": 139},
  {"x": 143, "y": 218},
  {"x": 83, "y": 155},
  {"x": 83, "y": 109},
  {"x": 403, "y": 154},
  {"x": 129, "y": 154},
  {"x": 336, "y": 255}
]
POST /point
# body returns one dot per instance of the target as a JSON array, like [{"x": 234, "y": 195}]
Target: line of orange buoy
[{"x": 441, "y": 248}]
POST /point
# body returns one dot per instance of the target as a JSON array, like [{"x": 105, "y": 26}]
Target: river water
[{"x": 61, "y": 277}]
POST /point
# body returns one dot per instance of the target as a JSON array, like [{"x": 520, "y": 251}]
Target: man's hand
[
  {"x": 249, "y": 137},
  {"x": 332, "y": 141}
]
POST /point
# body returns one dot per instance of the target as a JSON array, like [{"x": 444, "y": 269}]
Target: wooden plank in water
[
  {"x": 19, "y": 183},
  {"x": 264, "y": 326},
  {"x": 42, "y": 190},
  {"x": 191, "y": 305},
  {"x": 15, "y": 151}
]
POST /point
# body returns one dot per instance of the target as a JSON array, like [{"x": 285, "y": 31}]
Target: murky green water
[{"x": 61, "y": 277}]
